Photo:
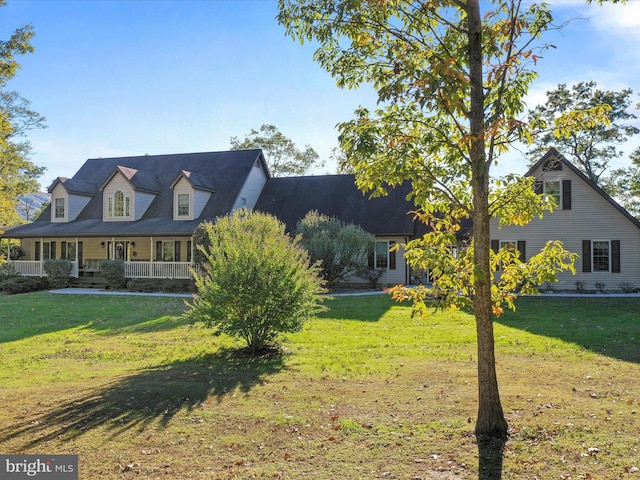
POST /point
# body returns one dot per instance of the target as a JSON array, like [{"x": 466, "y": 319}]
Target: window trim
[
  {"x": 57, "y": 208},
  {"x": 179, "y": 205},
  {"x": 613, "y": 256},
  {"x": 113, "y": 206}
]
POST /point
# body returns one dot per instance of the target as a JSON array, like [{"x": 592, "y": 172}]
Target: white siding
[
  {"x": 76, "y": 205},
  {"x": 391, "y": 277},
  {"x": 118, "y": 182},
  {"x": 200, "y": 199},
  {"x": 591, "y": 218},
  {"x": 141, "y": 202},
  {"x": 59, "y": 192},
  {"x": 252, "y": 187}
]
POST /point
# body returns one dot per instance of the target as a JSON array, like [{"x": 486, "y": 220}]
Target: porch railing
[
  {"x": 158, "y": 269},
  {"x": 35, "y": 268}
]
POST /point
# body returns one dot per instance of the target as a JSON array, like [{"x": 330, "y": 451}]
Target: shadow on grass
[
  {"x": 364, "y": 308},
  {"x": 605, "y": 325},
  {"x": 153, "y": 396},
  {"x": 40, "y": 313}
]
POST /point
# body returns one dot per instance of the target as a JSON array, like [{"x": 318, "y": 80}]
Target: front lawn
[{"x": 364, "y": 391}]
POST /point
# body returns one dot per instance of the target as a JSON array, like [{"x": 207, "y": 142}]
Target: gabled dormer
[
  {"x": 552, "y": 179},
  {"x": 69, "y": 197},
  {"x": 127, "y": 194},
  {"x": 191, "y": 192}
]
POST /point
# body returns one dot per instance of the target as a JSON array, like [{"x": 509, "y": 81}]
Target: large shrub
[
  {"x": 15, "y": 285},
  {"x": 113, "y": 272},
  {"x": 341, "y": 248},
  {"x": 257, "y": 283},
  {"x": 58, "y": 272}
]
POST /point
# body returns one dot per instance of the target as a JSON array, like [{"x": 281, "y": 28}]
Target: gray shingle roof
[
  {"x": 229, "y": 168},
  {"x": 291, "y": 198}
]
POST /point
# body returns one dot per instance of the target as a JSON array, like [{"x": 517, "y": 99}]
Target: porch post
[
  {"x": 151, "y": 257},
  {"x": 42, "y": 255},
  {"x": 113, "y": 248},
  {"x": 76, "y": 271}
]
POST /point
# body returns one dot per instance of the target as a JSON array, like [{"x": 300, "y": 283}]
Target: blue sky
[{"x": 116, "y": 78}]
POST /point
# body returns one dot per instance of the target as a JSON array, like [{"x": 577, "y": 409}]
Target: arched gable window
[{"x": 119, "y": 205}]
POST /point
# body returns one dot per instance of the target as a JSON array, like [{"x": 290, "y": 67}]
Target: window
[
  {"x": 183, "y": 204},
  {"x": 59, "y": 208},
  {"x": 167, "y": 251},
  {"x": 519, "y": 245},
  {"x": 68, "y": 250},
  {"x": 382, "y": 257},
  {"x": 119, "y": 205},
  {"x": 601, "y": 256},
  {"x": 243, "y": 202},
  {"x": 552, "y": 190},
  {"x": 560, "y": 193}
]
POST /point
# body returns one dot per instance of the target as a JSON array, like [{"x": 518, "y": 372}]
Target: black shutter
[
  {"x": 63, "y": 250},
  {"x": 371, "y": 261},
  {"x": 566, "y": 194},
  {"x": 523, "y": 251},
  {"x": 158, "y": 251},
  {"x": 538, "y": 187},
  {"x": 53, "y": 251},
  {"x": 392, "y": 256},
  {"x": 176, "y": 254},
  {"x": 586, "y": 255},
  {"x": 495, "y": 245},
  {"x": 189, "y": 251},
  {"x": 37, "y": 252},
  {"x": 615, "y": 256}
]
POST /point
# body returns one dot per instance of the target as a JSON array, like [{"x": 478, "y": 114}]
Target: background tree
[
  {"x": 282, "y": 155},
  {"x": 18, "y": 175},
  {"x": 257, "y": 282},
  {"x": 624, "y": 185},
  {"x": 593, "y": 146},
  {"x": 450, "y": 80},
  {"x": 341, "y": 248}
]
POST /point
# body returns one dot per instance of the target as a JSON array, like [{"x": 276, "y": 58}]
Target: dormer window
[
  {"x": 59, "y": 208},
  {"x": 119, "y": 205},
  {"x": 183, "y": 204}
]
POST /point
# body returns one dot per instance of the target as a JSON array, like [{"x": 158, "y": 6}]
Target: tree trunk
[{"x": 491, "y": 426}]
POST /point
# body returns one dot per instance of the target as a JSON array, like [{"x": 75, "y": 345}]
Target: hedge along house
[
  {"x": 587, "y": 221},
  {"x": 145, "y": 211}
]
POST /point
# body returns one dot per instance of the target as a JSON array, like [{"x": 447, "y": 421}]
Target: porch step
[{"x": 89, "y": 282}]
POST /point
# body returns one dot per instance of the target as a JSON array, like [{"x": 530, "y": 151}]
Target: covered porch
[{"x": 150, "y": 257}]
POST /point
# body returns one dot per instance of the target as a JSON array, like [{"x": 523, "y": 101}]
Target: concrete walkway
[{"x": 96, "y": 291}]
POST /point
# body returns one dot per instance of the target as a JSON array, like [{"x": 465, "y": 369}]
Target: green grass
[{"x": 364, "y": 391}]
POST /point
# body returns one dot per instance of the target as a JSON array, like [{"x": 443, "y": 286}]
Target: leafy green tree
[
  {"x": 450, "y": 80},
  {"x": 18, "y": 175},
  {"x": 257, "y": 281},
  {"x": 591, "y": 146},
  {"x": 283, "y": 157},
  {"x": 624, "y": 185},
  {"x": 341, "y": 248}
]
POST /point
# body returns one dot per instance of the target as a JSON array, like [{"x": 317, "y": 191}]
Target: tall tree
[
  {"x": 18, "y": 175},
  {"x": 450, "y": 80},
  {"x": 282, "y": 155},
  {"x": 594, "y": 146},
  {"x": 624, "y": 185}
]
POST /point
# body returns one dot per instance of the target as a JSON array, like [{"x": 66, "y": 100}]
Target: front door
[{"x": 118, "y": 250}]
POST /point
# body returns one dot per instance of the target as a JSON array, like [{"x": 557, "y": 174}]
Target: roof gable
[
  {"x": 548, "y": 162},
  {"x": 198, "y": 182}
]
